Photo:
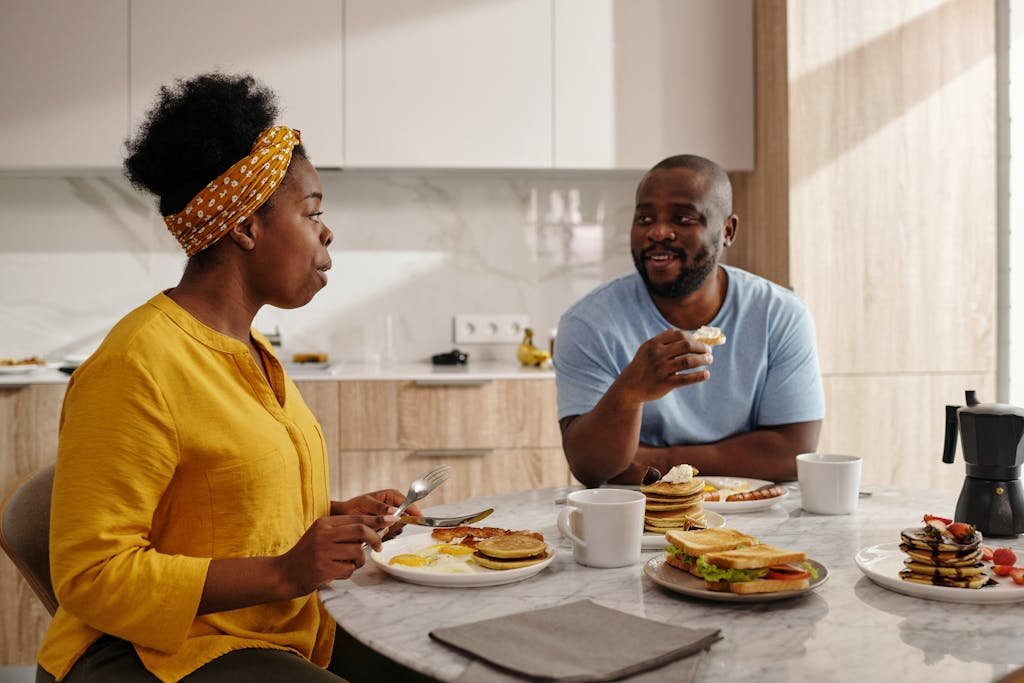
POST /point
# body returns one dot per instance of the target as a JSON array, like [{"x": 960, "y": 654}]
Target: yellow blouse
[{"x": 174, "y": 450}]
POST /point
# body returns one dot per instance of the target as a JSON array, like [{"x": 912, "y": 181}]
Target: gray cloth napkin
[{"x": 576, "y": 642}]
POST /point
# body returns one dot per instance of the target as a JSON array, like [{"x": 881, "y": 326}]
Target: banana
[{"x": 529, "y": 354}]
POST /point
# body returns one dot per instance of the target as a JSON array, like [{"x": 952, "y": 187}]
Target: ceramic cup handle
[{"x": 564, "y": 527}]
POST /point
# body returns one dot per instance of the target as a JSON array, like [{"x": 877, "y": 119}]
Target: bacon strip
[{"x": 471, "y": 534}]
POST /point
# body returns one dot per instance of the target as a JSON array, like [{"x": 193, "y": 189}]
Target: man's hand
[
  {"x": 384, "y": 502},
  {"x": 663, "y": 363}
]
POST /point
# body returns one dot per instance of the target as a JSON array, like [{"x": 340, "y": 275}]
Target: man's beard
[{"x": 692, "y": 274}]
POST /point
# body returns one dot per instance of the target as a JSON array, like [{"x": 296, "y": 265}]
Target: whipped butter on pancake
[{"x": 676, "y": 501}]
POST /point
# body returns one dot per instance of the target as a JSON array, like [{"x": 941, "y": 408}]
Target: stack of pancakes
[
  {"x": 510, "y": 551},
  {"x": 940, "y": 560},
  {"x": 674, "y": 506}
]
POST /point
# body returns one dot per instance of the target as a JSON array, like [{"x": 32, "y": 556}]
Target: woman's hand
[
  {"x": 384, "y": 502},
  {"x": 331, "y": 549}
]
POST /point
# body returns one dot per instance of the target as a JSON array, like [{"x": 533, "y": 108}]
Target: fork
[{"x": 422, "y": 485}]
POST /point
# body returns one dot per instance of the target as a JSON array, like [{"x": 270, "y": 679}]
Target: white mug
[
  {"x": 605, "y": 526},
  {"x": 829, "y": 483}
]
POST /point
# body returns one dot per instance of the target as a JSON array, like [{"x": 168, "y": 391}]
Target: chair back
[{"x": 25, "y": 532}]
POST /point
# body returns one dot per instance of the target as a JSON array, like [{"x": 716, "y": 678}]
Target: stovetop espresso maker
[{"x": 992, "y": 437}]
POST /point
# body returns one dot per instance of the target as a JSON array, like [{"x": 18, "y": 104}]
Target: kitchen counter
[
  {"x": 849, "y": 629},
  {"x": 420, "y": 372}
]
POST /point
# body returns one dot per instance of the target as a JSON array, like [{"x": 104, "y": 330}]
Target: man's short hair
[{"x": 721, "y": 186}]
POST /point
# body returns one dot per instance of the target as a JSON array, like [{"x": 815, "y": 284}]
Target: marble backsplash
[{"x": 78, "y": 252}]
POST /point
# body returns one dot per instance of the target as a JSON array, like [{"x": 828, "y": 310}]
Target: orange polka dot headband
[{"x": 237, "y": 193}]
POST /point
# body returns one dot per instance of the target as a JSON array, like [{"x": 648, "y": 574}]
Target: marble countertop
[
  {"x": 471, "y": 373},
  {"x": 849, "y": 629}
]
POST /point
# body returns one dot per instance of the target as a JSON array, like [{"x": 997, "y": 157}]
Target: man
[{"x": 636, "y": 390}]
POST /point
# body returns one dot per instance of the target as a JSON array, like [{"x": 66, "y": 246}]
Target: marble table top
[{"x": 849, "y": 629}]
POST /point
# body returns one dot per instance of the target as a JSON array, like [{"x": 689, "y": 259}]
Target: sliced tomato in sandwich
[{"x": 786, "y": 572}]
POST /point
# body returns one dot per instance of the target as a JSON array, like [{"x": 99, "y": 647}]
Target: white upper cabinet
[
  {"x": 295, "y": 48},
  {"x": 62, "y": 74},
  {"x": 640, "y": 80},
  {"x": 448, "y": 83}
]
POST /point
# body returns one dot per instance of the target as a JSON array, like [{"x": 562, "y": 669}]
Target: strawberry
[
  {"x": 1004, "y": 569},
  {"x": 960, "y": 530},
  {"x": 986, "y": 553},
  {"x": 1018, "y": 575},
  {"x": 1004, "y": 556},
  {"x": 928, "y": 517}
]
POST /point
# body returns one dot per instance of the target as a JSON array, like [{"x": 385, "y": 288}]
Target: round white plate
[
  {"x": 653, "y": 541},
  {"x": 19, "y": 369},
  {"x": 479, "y": 576},
  {"x": 882, "y": 564},
  {"x": 674, "y": 579},
  {"x": 742, "y": 505},
  {"x": 291, "y": 365}
]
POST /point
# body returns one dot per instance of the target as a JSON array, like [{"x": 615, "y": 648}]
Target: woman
[{"x": 191, "y": 523}]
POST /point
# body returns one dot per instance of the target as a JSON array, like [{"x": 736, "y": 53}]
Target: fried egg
[{"x": 443, "y": 558}]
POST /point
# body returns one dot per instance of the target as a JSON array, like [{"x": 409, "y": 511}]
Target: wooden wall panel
[
  {"x": 896, "y": 423},
  {"x": 892, "y": 171},
  {"x": 761, "y": 196}
]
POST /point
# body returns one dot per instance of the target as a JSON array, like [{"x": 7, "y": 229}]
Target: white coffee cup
[
  {"x": 605, "y": 526},
  {"x": 829, "y": 483}
]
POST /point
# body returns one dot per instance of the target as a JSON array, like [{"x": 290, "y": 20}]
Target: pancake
[
  {"x": 681, "y": 504},
  {"x": 948, "y": 559},
  {"x": 936, "y": 580},
  {"x": 510, "y": 552},
  {"x": 513, "y": 546},
  {"x": 922, "y": 539},
  {"x": 665, "y": 489},
  {"x": 949, "y": 572},
  {"x": 508, "y": 563}
]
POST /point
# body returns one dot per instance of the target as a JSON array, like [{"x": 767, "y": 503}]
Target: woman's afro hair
[{"x": 196, "y": 130}]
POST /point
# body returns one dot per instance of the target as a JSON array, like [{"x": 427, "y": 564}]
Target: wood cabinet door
[
  {"x": 295, "y": 48},
  {"x": 490, "y": 472},
  {"x": 65, "y": 94},
  {"x": 29, "y": 418},
  {"x": 448, "y": 415},
  {"x": 639, "y": 80},
  {"x": 448, "y": 83}
]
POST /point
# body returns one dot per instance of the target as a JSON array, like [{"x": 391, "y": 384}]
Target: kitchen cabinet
[
  {"x": 498, "y": 436},
  {"x": 296, "y": 50},
  {"x": 29, "y": 417},
  {"x": 65, "y": 95},
  {"x": 449, "y": 83},
  {"x": 639, "y": 80}
]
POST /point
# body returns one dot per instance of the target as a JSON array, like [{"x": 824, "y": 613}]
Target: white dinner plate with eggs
[{"x": 447, "y": 571}]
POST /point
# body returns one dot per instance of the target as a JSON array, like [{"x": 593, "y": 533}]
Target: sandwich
[
  {"x": 731, "y": 561},
  {"x": 687, "y": 546},
  {"x": 758, "y": 568}
]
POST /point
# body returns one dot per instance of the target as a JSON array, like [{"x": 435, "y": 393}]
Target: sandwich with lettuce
[{"x": 731, "y": 561}]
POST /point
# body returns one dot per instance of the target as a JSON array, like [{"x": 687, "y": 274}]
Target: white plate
[
  {"x": 686, "y": 583},
  {"x": 742, "y": 505},
  {"x": 882, "y": 564},
  {"x": 657, "y": 541},
  {"x": 19, "y": 369},
  {"x": 480, "y": 576}
]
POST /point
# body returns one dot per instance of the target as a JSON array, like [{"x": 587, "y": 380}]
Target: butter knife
[{"x": 446, "y": 521}]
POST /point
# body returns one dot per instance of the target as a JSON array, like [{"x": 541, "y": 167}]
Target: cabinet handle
[
  {"x": 453, "y": 452},
  {"x": 452, "y": 382}
]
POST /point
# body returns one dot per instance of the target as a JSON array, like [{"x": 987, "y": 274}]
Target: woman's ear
[{"x": 244, "y": 234}]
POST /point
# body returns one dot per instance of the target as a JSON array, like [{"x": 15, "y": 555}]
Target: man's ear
[
  {"x": 729, "y": 230},
  {"x": 244, "y": 234}
]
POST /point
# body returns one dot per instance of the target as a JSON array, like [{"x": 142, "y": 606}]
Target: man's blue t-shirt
[{"x": 765, "y": 374}]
